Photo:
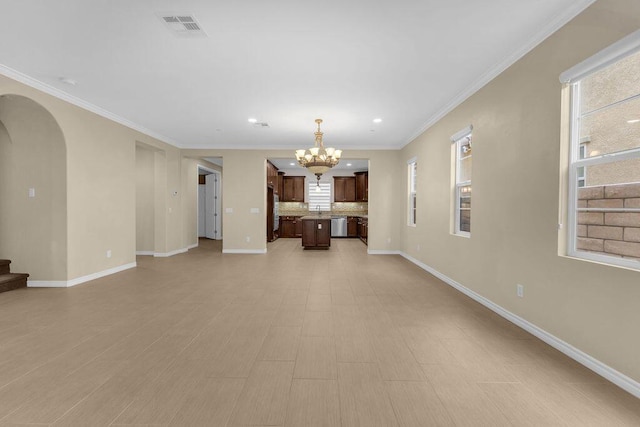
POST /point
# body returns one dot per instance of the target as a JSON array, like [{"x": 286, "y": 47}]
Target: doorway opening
[
  {"x": 209, "y": 203},
  {"x": 33, "y": 191}
]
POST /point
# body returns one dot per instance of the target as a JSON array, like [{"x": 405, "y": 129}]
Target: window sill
[
  {"x": 462, "y": 234},
  {"x": 604, "y": 260}
]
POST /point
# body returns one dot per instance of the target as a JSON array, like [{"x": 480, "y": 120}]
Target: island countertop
[{"x": 316, "y": 216}]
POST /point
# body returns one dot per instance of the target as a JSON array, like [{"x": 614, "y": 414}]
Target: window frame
[
  {"x": 457, "y": 141},
  {"x": 581, "y": 171},
  {"x": 412, "y": 202},
  {"x": 578, "y": 160}
]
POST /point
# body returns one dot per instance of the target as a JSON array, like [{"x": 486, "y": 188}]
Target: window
[
  {"x": 462, "y": 190},
  {"x": 412, "y": 176},
  {"x": 604, "y": 165},
  {"x": 319, "y": 196}
]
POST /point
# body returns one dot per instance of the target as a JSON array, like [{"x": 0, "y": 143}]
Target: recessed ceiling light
[
  {"x": 348, "y": 164},
  {"x": 378, "y": 120},
  {"x": 68, "y": 81},
  {"x": 292, "y": 164},
  {"x": 252, "y": 120},
  {"x": 633, "y": 121}
]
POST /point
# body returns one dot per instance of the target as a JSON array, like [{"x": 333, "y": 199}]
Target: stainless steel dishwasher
[{"x": 338, "y": 226}]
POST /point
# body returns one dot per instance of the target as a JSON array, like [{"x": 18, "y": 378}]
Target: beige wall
[
  {"x": 145, "y": 200},
  {"x": 101, "y": 186},
  {"x": 516, "y": 156},
  {"x": 32, "y": 155}
]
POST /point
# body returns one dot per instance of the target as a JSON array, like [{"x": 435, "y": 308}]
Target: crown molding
[
  {"x": 553, "y": 26},
  {"x": 64, "y": 96}
]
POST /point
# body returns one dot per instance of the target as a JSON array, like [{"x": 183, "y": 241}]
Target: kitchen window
[
  {"x": 412, "y": 177},
  {"x": 604, "y": 155},
  {"x": 462, "y": 189},
  {"x": 319, "y": 196}
]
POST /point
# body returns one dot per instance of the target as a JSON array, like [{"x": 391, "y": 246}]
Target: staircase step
[
  {"x": 4, "y": 266},
  {"x": 11, "y": 281}
]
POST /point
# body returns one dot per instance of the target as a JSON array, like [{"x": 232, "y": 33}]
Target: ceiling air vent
[
  {"x": 183, "y": 25},
  {"x": 261, "y": 125}
]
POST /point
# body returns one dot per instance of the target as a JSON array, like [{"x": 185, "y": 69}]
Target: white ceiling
[{"x": 282, "y": 62}]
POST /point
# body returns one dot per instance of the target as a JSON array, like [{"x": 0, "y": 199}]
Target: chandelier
[{"x": 317, "y": 158}]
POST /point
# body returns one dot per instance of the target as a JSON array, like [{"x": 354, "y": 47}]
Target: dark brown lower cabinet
[
  {"x": 316, "y": 233},
  {"x": 298, "y": 227},
  {"x": 290, "y": 226},
  {"x": 363, "y": 229},
  {"x": 352, "y": 226}
]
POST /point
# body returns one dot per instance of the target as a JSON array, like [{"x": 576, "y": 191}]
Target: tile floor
[{"x": 291, "y": 338}]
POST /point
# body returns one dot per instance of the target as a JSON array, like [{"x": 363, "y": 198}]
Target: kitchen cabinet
[
  {"x": 352, "y": 226},
  {"x": 290, "y": 226},
  {"x": 362, "y": 186},
  {"x": 344, "y": 189},
  {"x": 298, "y": 227},
  {"x": 316, "y": 233},
  {"x": 272, "y": 177},
  {"x": 363, "y": 229},
  {"x": 280, "y": 184},
  {"x": 293, "y": 189}
]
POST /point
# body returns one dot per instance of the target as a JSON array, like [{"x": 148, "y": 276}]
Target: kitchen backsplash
[
  {"x": 295, "y": 208},
  {"x": 292, "y": 208},
  {"x": 350, "y": 207}
]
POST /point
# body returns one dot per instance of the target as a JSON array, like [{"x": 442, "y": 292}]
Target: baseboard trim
[
  {"x": 616, "y": 377},
  {"x": 382, "y": 252},
  {"x": 168, "y": 254},
  {"x": 78, "y": 280},
  {"x": 46, "y": 283},
  {"x": 244, "y": 251}
]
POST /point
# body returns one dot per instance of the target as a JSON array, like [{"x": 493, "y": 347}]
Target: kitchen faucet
[{"x": 318, "y": 209}]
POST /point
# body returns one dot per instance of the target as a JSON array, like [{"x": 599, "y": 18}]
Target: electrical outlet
[
  {"x": 520, "y": 290},
  {"x": 418, "y": 247},
  {"x": 109, "y": 253},
  {"x": 248, "y": 239},
  {"x": 388, "y": 239}
]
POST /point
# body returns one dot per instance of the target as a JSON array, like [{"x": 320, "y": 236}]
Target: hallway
[{"x": 290, "y": 338}]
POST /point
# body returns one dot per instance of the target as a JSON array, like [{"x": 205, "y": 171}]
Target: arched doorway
[{"x": 33, "y": 189}]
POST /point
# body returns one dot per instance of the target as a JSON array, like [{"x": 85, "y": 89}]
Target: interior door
[
  {"x": 202, "y": 210},
  {"x": 211, "y": 229}
]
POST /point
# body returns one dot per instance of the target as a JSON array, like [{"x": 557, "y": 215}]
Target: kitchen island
[{"x": 316, "y": 231}]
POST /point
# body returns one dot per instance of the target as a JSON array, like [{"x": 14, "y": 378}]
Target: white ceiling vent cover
[{"x": 182, "y": 24}]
